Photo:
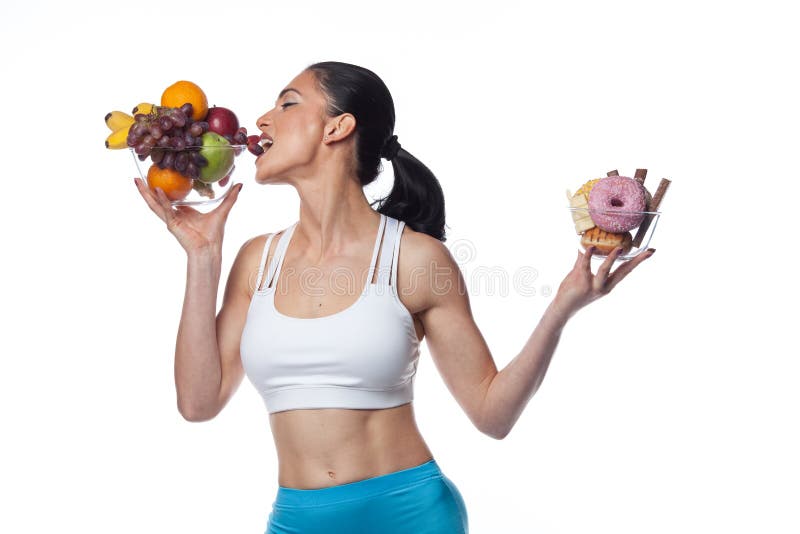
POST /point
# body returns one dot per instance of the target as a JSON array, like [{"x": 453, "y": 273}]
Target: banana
[
  {"x": 143, "y": 108},
  {"x": 119, "y": 138},
  {"x": 118, "y": 119}
]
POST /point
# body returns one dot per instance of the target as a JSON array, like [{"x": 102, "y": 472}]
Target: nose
[{"x": 264, "y": 121}]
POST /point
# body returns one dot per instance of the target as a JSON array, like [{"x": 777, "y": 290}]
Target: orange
[
  {"x": 175, "y": 185},
  {"x": 179, "y": 93}
]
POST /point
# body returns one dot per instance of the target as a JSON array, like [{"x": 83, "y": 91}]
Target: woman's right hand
[{"x": 195, "y": 231}]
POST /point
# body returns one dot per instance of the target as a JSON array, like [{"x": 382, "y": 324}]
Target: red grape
[
  {"x": 166, "y": 123},
  {"x": 181, "y": 161},
  {"x": 196, "y": 130}
]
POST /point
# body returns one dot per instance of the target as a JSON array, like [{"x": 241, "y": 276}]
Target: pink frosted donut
[{"x": 612, "y": 199}]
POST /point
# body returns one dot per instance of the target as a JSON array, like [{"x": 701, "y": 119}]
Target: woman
[{"x": 336, "y": 366}]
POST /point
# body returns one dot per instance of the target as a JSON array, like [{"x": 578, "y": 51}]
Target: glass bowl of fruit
[
  {"x": 190, "y": 162},
  {"x": 190, "y": 176},
  {"x": 616, "y": 212}
]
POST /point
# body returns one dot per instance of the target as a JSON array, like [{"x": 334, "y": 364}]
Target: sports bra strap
[
  {"x": 263, "y": 261},
  {"x": 386, "y": 251},
  {"x": 280, "y": 252},
  {"x": 396, "y": 254},
  {"x": 386, "y": 227},
  {"x": 381, "y": 227}
]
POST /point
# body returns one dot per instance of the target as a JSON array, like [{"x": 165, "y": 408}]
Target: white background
[{"x": 670, "y": 405}]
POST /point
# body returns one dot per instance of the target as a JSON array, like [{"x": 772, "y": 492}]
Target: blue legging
[{"x": 419, "y": 500}]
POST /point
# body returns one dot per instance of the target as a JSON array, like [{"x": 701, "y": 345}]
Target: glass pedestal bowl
[
  {"x": 640, "y": 237},
  {"x": 206, "y": 185}
]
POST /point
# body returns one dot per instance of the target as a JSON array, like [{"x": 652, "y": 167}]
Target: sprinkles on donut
[{"x": 616, "y": 204}]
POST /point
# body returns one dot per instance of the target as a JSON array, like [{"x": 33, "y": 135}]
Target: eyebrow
[{"x": 287, "y": 90}]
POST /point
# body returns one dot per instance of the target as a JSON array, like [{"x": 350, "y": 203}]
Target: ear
[{"x": 340, "y": 127}]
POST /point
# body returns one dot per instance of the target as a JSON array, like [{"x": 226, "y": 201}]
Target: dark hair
[{"x": 416, "y": 196}]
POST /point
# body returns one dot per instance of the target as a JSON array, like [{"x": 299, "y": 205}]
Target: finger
[
  {"x": 166, "y": 206},
  {"x": 578, "y": 260},
  {"x": 149, "y": 198},
  {"x": 623, "y": 270},
  {"x": 605, "y": 267},
  {"x": 586, "y": 261},
  {"x": 229, "y": 200},
  {"x": 150, "y": 195}
]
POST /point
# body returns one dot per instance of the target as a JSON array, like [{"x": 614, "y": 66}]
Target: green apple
[{"x": 220, "y": 158}]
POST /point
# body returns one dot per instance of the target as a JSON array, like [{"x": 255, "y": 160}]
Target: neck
[{"x": 334, "y": 214}]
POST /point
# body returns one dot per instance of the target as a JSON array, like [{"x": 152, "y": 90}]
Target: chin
[{"x": 264, "y": 176}]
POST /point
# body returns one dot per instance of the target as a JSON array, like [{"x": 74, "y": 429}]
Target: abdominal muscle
[{"x": 328, "y": 447}]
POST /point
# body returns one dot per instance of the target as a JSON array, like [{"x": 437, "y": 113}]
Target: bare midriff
[{"x": 321, "y": 448}]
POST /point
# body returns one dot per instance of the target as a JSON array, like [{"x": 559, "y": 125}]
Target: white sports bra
[{"x": 363, "y": 357}]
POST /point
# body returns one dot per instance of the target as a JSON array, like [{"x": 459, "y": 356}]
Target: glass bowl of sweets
[{"x": 616, "y": 211}]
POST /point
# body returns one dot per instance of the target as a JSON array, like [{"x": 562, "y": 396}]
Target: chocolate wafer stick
[
  {"x": 615, "y": 172},
  {"x": 640, "y": 175},
  {"x": 662, "y": 189},
  {"x": 657, "y": 198}
]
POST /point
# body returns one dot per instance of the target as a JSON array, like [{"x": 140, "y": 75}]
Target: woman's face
[{"x": 296, "y": 125}]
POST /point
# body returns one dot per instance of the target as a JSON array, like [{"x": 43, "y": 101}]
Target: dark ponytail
[{"x": 416, "y": 196}]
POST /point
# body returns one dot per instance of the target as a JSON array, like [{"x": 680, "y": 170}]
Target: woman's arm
[
  {"x": 198, "y": 368},
  {"x": 208, "y": 366},
  {"x": 512, "y": 388},
  {"x": 494, "y": 400}
]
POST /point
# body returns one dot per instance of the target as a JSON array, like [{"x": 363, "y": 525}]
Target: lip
[
  {"x": 263, "y": 138},
  {"x": 264, "y": 145}
]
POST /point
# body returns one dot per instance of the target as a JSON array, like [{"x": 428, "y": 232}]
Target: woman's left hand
[{"x": 581, "y": 287}]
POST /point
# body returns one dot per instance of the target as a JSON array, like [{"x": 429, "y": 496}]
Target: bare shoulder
[
  {"x": 426, "y": 269},
  {"x": 244, "y": 271},
  {"x": 419, "y": 248}
]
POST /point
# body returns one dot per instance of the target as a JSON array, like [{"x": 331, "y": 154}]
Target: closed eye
[{"x": 284, "y": 106}]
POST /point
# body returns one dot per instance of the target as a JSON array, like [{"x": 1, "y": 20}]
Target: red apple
[{"x": 222, "y": 121}]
